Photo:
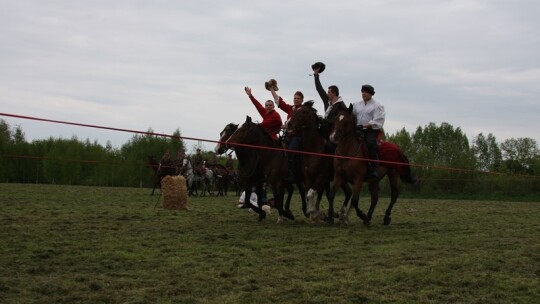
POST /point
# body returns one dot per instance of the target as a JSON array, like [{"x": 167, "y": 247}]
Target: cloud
[{"x": 183, "y": 65}]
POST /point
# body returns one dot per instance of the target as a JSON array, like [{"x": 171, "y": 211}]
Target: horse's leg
[
  {"x": 154, "y": 189},
  {"x": 302, "y": 191},
  {"x": 278, "y": 197},
  {"x": 257, "y": 209},
  {"x": 374, "y": 193},
  {"x": 393, "y": 177},
  {"x": 309, "y": 210},
  {"x": 319, "y": 214},
  {"x": 345, "y": 207},
  {"x": 331, "y": 195},
  {"x": 290, "y": 190},
  {"x": 357, "y": 187}
]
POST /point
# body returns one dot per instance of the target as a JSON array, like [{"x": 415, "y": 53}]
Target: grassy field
[{"x": 69, "y": 244}]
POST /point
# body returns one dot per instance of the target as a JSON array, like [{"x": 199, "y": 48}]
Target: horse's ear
[
  {"x": 350, "y": 108},
  {"x": 309, "y": 103},
  {"x": 248, "y": 119}
]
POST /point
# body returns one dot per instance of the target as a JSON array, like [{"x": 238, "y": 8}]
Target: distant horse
[
  {"x": 195, "y": 181},
  {"x": 316, "y": 169},
  {"x": 221, "y": 177},
  {"x": 354, "y": 170},
  {"x": 258, "y": 165},
  {"x": 159, "y": 172}
]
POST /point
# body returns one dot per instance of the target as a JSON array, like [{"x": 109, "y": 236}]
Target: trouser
[
  {"x": 295, "y": 144},
  {"x": 370, "y": 138}
]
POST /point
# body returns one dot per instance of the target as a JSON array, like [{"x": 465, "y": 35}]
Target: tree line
[{"x": 443, "y": 159}]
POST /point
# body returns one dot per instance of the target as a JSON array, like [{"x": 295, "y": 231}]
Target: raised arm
[
  {"x": 320, "y": 90},
  {"x": 256, "y": 103}
]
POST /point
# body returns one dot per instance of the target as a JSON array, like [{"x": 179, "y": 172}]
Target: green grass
[{"x": 71, "y": 244}]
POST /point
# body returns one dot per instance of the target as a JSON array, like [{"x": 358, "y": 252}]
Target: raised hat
[
  {"x": 318, "y": 65},
  {"x": 271, "y": 83}
]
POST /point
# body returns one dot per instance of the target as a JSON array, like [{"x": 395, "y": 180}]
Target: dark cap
[
  {"x": 369, "y": 89},
  {"x": 318, "y": 65}
]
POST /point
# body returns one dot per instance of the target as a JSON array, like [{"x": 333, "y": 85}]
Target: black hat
[
  {"x": 318, "y": 65},
  {"x": 369, "y": 89},
  {"x": 271, "y": 83}
]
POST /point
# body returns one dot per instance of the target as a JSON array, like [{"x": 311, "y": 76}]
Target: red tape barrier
[{"x": 254, "y": 146}]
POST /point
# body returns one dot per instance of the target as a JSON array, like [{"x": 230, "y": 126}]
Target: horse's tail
[{"x": 406, "y": 174}]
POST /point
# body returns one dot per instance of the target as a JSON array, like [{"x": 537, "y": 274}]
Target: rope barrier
[{"x": 257, "y": 147}]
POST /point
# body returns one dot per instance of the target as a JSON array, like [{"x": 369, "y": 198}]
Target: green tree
[
  {"x": 520, "y": 155},
  {"x": 487, "y": 152},
  {"x": 403, "y": 139}
]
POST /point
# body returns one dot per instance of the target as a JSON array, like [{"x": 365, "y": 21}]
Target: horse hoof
[
  {"x": 288, "y": 214},
  {"x": 367, "y": 223},
  {"x": 387, "y": 221},
  {"x": 262, "y": 216},
  {"x": 329, "y": 220}
]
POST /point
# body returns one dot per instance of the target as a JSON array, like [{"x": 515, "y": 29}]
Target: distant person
[
  {"x": 271, "y": 120},
  {"x": 370, "y": 117},
  {"x": 198, "y": 162},
  {"x": 212, "y": 161},
  {"x": 166, "y": 164},
  {"x": 179, "y": 161}
]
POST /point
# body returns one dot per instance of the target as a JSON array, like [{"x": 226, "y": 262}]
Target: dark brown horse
[
  {"x": 316, "y": 169},
  {"x": 159, "y": 172},
  {"x": 353, "y": 168},
  {"x": 257, "y": 165}
]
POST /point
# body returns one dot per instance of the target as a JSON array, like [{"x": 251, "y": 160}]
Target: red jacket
[
  {"x": 287, "y": 108},
  {"x": 271, "y": 120}
]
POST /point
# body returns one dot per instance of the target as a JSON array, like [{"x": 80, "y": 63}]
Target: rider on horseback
[
  {"x": 198, "y": 163},
  {"x": 178, "y": 161},
  {"x": 331, "y": 99},
  {"x": 294, "y": 139},
  {"x": 271, "y": 119},
  {"x": 166, "y": 164},
  {"x": 370, "y": 118}
]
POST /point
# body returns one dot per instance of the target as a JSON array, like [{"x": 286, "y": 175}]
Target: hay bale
[{"x": 174, "y": 192}]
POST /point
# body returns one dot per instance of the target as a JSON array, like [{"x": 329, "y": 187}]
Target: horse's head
[
  {"x": 224, "y": 135},
  {"x": 303, "y": 118},
  {"x": 246, "y": 134},
  {"x": 344, "y": 124}
]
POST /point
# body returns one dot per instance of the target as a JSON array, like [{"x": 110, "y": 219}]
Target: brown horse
[
  {"x": 159, "y": 172},
  {"x": 239, "y": 184},
  {"x": 221, "y": 176},
  {"x": 316, "y": 169},
  {"x": 352, "y": 167},
  {"x": 257, "y": 165}
]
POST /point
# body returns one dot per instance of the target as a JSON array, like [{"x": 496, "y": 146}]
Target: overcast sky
[{"x": 170, "y": 65}]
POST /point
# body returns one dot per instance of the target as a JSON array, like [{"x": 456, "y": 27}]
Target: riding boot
[{"x": 372, "y": 171}]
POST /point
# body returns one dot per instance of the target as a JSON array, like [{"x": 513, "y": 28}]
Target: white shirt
[
  {"x": 252, "y": 199},
  {"x": 370, "y": 112},
  {"x": 330, "y": 105}
]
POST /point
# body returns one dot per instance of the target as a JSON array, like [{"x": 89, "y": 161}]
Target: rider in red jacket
[{"x": 271, "y": 119}]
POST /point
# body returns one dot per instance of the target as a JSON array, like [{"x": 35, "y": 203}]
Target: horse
[
  {"x": 194, "y": 181},
  {"x": 159, "y": 172},
  {"x": 316, "y": 169},
  {"x": 352, "y": 167},
  {"x": 260, "y": 165},
  {"x": 221, "y": 175}
]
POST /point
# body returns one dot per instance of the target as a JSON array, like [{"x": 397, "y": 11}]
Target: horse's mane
[{"x": 265, "y": 134}]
